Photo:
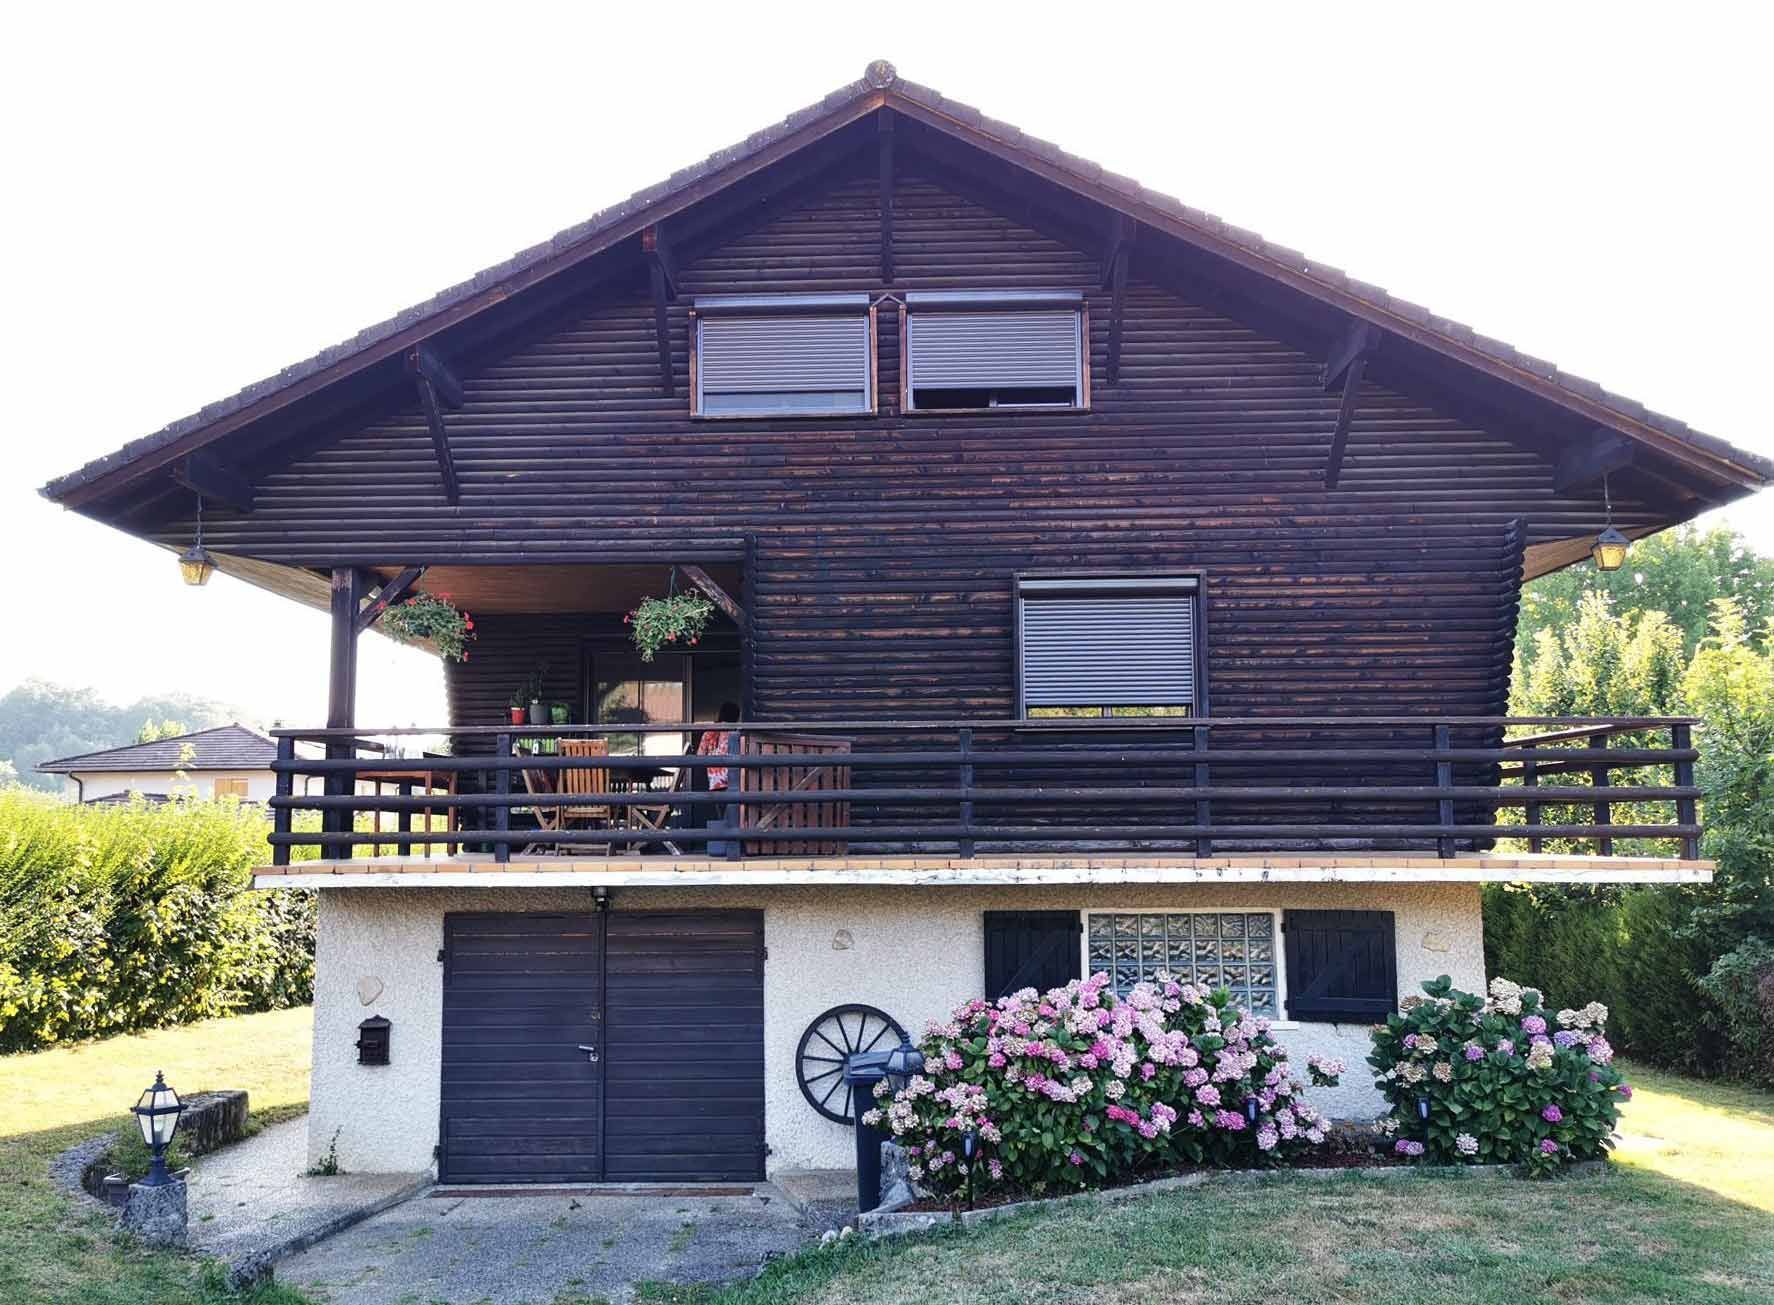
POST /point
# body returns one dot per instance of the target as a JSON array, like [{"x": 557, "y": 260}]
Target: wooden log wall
[{"x": 885, "y": 546}]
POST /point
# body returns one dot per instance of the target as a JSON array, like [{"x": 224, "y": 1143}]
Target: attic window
[
  {"x": 783, "y": 355},
  {"x": 969, "y": 350}
]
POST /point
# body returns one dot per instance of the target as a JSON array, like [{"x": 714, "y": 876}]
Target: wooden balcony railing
[{"x": 971, "y": 787}]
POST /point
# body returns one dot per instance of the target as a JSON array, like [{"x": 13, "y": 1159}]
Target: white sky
[{"x": 202, "y": 196}]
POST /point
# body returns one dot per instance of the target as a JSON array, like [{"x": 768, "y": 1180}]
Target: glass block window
[{"x": 1211, "y": 949}]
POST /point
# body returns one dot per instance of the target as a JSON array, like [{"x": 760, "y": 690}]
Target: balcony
[{"x": 1576, "y": 798}]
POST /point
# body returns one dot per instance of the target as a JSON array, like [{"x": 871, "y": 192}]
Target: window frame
[
  {"x": 1199, "y": 668},
  {"x": 1004, "y": 304},
  {"x": 769, "y": 307},
  {"x": 1279, "y": 1020},
  {"x": 245, "y": 786}
]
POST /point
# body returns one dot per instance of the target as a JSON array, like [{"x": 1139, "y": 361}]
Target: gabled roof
[
  {"x": 226, "y": 747},
  {"x": 1735, "y": 470}
]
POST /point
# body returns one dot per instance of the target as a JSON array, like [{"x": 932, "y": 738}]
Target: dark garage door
[{"x": 673, "y": 1002}]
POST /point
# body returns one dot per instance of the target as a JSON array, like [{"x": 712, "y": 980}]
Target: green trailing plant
[
  {"x": 328, "y": 1165},
  {"x": 1503, "y": 1079},
  {"x": 433, "y": 619},
  {"x": 678, "y": 618}
]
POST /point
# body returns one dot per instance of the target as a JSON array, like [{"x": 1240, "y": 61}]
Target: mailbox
[{"x": 372, "y": 1041}]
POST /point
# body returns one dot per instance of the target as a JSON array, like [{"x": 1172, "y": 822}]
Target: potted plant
[
  {"x": 558, "y": 713},
  {"x": 519, "y": 714},
  {"x": 533, "y": 695},
  {"x": 659, "y": 621}
]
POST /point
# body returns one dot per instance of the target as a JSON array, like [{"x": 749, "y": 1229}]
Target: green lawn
[
  {"x": 50, "y": 1100},
  {"x": 1687, "y": 1216}
]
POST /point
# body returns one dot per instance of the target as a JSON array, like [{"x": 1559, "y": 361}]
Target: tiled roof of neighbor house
[
  {"x": 882, "y": 84},
  {"x": 226, "y": 747}
]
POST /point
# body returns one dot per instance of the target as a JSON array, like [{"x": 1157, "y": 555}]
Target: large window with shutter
[
  {"x": 1342, "y": 966},
  {"x": 782, "y": 355},
  {"x": 967, "y": 350},
  {"x": 1108, "y": 646}
]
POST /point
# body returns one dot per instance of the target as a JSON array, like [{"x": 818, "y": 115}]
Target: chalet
[
  {"x": 1098, "y": 586},
  {"x": 229, "y": 761}
]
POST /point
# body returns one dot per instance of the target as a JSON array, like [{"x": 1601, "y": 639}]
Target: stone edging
[
  {"x": 897, "y": 1223},
  {"x": 68, "y": 1170}
]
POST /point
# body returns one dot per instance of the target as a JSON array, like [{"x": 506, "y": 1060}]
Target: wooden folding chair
[
  {"x": 657, "y": 816},
  {"x": 591, "y": 782}
]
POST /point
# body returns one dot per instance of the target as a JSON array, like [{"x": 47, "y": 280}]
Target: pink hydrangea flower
[{"x": 1552, "y": 1114}]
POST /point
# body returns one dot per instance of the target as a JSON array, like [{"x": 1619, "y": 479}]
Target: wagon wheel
[{"x": 819, "y": 1060}]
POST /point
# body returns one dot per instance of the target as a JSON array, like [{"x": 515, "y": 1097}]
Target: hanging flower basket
[
  {"x": 681, "y": 618},
  {"x": 432, "y": 619}
]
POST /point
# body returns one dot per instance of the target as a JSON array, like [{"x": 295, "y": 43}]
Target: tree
[
  {"x": 151, "y": 732},
  {"x": 40, "y": 721},
  {"x": 1679, "y": 573}
]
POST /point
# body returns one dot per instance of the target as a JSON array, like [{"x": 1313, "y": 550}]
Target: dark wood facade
[{"x": 1359, "y": 558}]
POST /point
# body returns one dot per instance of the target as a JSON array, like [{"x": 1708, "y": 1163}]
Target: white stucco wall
[
  {"x": 913, "y": 952},
  {"x": 261, "y": 784}
]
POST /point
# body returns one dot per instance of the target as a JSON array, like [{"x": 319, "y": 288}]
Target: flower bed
[
  {"x": 1497, "y": 1079},
  {"x": 1080, "y": 1088}
]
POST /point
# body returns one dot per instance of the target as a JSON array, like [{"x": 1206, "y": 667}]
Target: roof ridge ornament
[{"x": 880, "y": 74}]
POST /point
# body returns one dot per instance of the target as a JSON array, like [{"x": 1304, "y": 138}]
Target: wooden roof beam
[
  {"x": 1115, "y": 256},
  {"x": 1347, "y": 362},
  {"x": 440, "y": 440},
  {"x": 663, "y": 272},
  {"x": 207, "y": 476},
  {"x": 1600, "y": 454},
  {"x": 422, "y": 360},
  {"x": 884, "y": 136}
]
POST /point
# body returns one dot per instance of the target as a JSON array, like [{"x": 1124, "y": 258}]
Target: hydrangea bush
[
  {"x": 1077, "y": 1087},
  {"x": 1505, "y": 1080}
]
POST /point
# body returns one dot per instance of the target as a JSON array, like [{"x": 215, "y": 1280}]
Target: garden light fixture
[
  {"x": 1609, "y": 549},
  {"x": 903, "y": 1061},
  {"x": 1423, "y": 1109},
  {"x": 195, "y": 563},
  {"x": 157, "y": 1112},
  {"x": 1251, "y": 1106}
]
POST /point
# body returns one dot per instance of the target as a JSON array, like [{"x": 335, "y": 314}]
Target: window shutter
[
  {"x": 1085, "y": 650},
  {"x": 766, "y": 356},
  {"x": 1025, "y": 348},
  {"x": 1341, "y": 965},
  {"x": 1031, "y": 949}
]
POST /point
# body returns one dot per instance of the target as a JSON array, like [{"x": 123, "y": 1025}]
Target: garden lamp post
[
  {"x": 969, "y": 1146},
  {"x": 1423, "y": 1115},
  {"x": 1251, "y": 1106},
  {"x": 157, "y": 1112},
  {"x": 903, "y": 1061}
]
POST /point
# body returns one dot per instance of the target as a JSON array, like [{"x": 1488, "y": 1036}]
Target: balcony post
[
  {"x": 286, "y": 787},
  {"x": 502, "y": 789},
  {"x": 1681, "y": 737},
  {"x": 1444, "y": 779},
  {"x": 1203, "y": 806},
  {"x": 1530, "y": 778},
  {"x": 341, "y": 712},
  {"x": 965, "y": 741},
  {"x": 1604, "y": 811}
]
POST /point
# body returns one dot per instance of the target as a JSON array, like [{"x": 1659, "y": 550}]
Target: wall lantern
[
  {"x": 1609, "y": 549},
  {"x": 157, "y": 1112},
  {"x": 372, "y": 1041},
  {"x": 195, "y": 563}
]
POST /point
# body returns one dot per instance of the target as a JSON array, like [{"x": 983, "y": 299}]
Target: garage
[{"x": 603, "y": 1046}]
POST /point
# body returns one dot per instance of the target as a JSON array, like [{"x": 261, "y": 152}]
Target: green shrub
[
  {"x": 1078, "y": 1088},
  {"x": 1742, "y": 983},
  {"x": 116, "y": 918},
  {"x": 1502, "y": 1080}
]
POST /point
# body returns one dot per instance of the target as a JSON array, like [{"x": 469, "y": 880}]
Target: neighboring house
[
  {"x": 228, "y": 761},
  {"x": 1101, "y": 585}
]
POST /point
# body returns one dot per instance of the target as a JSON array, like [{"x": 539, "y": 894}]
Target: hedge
[{"x": 134, "y": 916}]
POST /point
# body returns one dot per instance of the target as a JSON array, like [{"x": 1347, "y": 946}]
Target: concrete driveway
[{"x": 556, "y": 1247}]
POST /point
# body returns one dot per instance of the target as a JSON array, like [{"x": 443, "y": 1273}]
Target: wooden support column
[
  {"x": 208, "y": 476},
  {"x": 1347, "y": 362},
  {"x": 341, "y": 711},
  {"x": 662, "y": 270},
  {"x": 884, "y": 135},
  {"x": 387, "y": 596},
  {"x": 1115, "y": 258},
  {"x": 713, "y": 592}
]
